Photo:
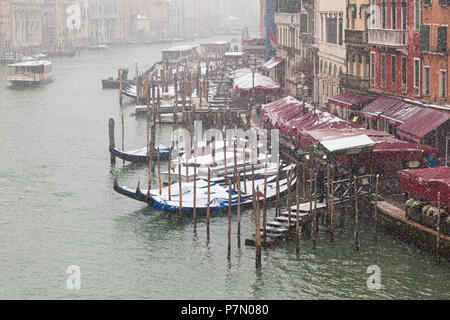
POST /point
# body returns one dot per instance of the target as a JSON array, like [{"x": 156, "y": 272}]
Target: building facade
[
  {"x": 330, "y": 18},
  {"x": 393, "y": 37},
  {"x": 26, "y": 24},
  {"x": 5, "y": 24},
  {"x": 356, "y": 76},
  {"x": 105, "y": 21},
  {"x": 435, "y": 49}
]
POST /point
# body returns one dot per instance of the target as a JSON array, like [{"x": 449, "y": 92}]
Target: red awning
[
  {"x": 272, "y": 63},
  {"x": 378, "y": 106},
  {"x": 348, "y": 100},
  {"x": 426, "y": 183},
  {"x": 399, "y": 113},
  {"x": 422, "y": 123}
]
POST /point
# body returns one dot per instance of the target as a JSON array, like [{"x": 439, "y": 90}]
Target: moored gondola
[
  {"x": 219, "y": 194},
  {"x": 140, "y": 155}
]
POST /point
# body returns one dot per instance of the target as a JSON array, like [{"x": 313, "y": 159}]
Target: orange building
[{"x": 435, "y": 49}]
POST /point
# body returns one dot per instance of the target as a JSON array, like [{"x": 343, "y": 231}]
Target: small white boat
[{"x": 30, "y": 73}]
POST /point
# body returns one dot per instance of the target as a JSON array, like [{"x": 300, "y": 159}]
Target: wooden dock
[
  {"x": 280, "y": 230},
  {"x": 394, "y": 220}
]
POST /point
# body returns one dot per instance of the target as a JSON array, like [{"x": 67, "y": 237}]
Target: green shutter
[
  {"x": 442, "y": 39},
  {"x": 425, "y": 38}
]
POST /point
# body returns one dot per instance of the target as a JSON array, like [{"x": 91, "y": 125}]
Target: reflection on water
[{"x": 58, "y": 208}]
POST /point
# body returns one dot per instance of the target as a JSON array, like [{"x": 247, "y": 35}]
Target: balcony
[
  {"x": 355, "y": 37},
  {"x": 352, "y": 82},
  {"x": 287, "y": 18},
  {"x": 388, "y": 38}
]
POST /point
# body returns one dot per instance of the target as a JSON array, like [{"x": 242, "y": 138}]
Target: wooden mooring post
[
  {"x": 356, "y": 234},
  {"x": 278, "y": 199},
  {"x": 375, "y": 216},
  {"x": 169, "y": 168},
  {"x": 208, "y": 208},
  {"x": 195, "y": 196},
  {"x": 257, "y": 233},
  {"x": 297, "y": 218},
  {"x": 111, "y": 126},
  {"x": 180, "y": 191},
  {"x": 332, "y": 211},
  {"x": 229, "y": 219},
  {"x": 265, "y": 209},
  {"x": 315, "y": 210},
  {"x": 239, "y": 210},
  {"x": 159, "y": 173},
  {"x": 438, "y": 228},
  {"x": 288, "y": 198}
]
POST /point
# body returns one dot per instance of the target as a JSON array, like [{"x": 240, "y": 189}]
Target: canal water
[{"x": 58, "y": 209}]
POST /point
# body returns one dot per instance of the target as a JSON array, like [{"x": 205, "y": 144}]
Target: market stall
[{"x": 424, "y": 186}]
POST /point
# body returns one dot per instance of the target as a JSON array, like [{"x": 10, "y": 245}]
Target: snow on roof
[
  {"x": 234, "y": 54},
  {"x": 182, "y": 48},
  {"x": 31, "y": 64},
  {"x": 348, "y": 143},
  {"x": 245, "y": 82},
  {"x": 272, "y": 63}
]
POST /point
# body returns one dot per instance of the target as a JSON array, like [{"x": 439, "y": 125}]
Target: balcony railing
[
  {"x": 388, "y": 37},
  {"x": 287, "y": 18},
  {"x": 352, "y": 82},
  {"x": 355, "y": 37}
]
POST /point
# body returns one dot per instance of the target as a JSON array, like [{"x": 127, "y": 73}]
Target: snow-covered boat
[
  {"x": 140, "y": 155},
  {"x": 219, "y": 194}
]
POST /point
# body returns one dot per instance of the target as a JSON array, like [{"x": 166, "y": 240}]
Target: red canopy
[
  {"x": 399, "y": 113},
  {"x": 312, "y": 127},
  {"x": 348, "y": 100},
  {"x": 422, "y": 123},
  {"x": 426, "y": 183},
  {"x": 378, "y": 106}
]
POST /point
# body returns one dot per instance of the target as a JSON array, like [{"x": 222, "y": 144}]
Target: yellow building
[{"x": 356, "y": 78}]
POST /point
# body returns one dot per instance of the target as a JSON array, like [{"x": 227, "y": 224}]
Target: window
[
  {"x": 393, "y": 68},
  {"x": 425, "y": 37},
  {"x": 383, "y": 67},
  {"x": 426, "y": 87},
  {"x": 331, "y": 33},
  {"x": 372, "y": 65},
  {"x": 404, "y": 72},
  {"x": 417, "y": 15},
  {"x": 443, "y": 84},
  {"x": 404, "y": 14},
  {"x": 442, "y": 39},
  {"x": 341, "y": 30},
  {"x": 394, "y": 14},
  {"x": 383, "y": 14},
  {"x": 416, "y": 72}
]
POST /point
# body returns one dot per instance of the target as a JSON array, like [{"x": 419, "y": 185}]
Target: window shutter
[
  {"x": 425, "y": 38},
  {"x": 442, "y": 39}
]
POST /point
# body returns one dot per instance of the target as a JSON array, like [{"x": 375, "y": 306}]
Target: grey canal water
[{"x": 58, "y": 208}]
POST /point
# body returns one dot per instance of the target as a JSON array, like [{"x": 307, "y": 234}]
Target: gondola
[
  {"x": 140, "y": 155},
  {"x": 219, "y": 194}
]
